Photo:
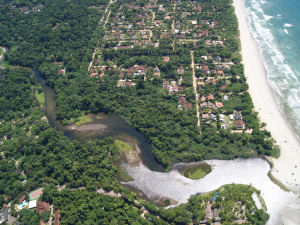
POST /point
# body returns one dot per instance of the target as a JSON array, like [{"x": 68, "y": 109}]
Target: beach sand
[{"x": 265, "y": 104}]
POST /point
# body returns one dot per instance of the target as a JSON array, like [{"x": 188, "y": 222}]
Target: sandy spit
[{"x": 287, "y": 167}]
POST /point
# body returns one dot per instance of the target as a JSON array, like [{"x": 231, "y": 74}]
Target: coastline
[{"x": 265, "y": 104}]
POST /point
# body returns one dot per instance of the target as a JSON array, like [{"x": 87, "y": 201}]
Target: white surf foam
[
  {"x": 267, "y": 17},
  {"x": 285, "y": 30},
  {"x": 288, "y": 25}
]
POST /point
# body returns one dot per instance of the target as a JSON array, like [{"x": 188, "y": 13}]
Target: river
[{"x": 150, "y": 179}]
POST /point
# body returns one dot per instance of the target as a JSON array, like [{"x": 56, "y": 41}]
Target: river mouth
[{"x": 150, "y": 183}]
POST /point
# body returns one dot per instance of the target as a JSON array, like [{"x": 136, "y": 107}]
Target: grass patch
[
  {"x": 262, "y": 202},
  {"x": 1, "y": 51},
  {"x": 5, "y": 65},
  {"x": 98, "y": 117},
  {"x": 167, "y": 202},
  {"x": 197, "y": 172},
  {"x": 40, "y": 96},
  {"x": 81, "y": 120},
  {"x": 123, "y": 175},
  {"x": 124, "y": 147},
  {"x": 276, "y": 152}
]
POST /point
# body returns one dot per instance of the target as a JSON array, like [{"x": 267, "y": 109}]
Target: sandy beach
[{"x": 288, "y": 164}]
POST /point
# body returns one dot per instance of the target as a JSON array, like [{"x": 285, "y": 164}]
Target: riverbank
[{"x": 286, "y": 166}]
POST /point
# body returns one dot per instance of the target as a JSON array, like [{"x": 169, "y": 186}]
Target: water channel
[{"x": 150, "y": 179}]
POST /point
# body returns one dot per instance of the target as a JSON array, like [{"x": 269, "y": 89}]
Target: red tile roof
[
  {"x": 21, "y": 199},
  {"x": 57, "y": 217},
  {"x": 42, "y": 206}
]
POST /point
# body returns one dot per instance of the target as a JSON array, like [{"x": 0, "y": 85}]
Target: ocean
[{"x": 275, "y": 25}]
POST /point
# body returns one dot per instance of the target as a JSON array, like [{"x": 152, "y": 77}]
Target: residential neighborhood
[{"x": 143, "y": 43}]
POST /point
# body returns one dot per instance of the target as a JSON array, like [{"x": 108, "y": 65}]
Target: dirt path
[
  {"x": 195, "y": 88},
  {"x": 99, "y": 23},
  {"x": 153, "y": 16},
  {"x": 107, "y": 18},
  {"x": 1, "y": 56}
]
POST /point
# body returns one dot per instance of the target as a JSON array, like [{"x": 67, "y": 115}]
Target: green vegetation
[
  {"x": 123, "y": 175},
  {"x": 40, "y": 96},
  {"x": 233, "y": 202},
  {"x": 167, "y": 202},
  {"x": 276, "y": 152},
  {"x": 1, "y": 51},
  {"x": 197, "y": 172},
  {"x": 58, "y": 38},
  {"x": 262, "y": 201},
  {"x": 81, "y": 120},
  {"x": 124, "y": 147}
]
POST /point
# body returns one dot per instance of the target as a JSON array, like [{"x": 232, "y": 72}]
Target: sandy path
[
  {"x": 265, "y": 103},
  {"x": 100, "y": 21},
  {"x": 195, "y": 88}
]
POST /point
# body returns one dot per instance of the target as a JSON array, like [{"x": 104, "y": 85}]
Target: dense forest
[
  {"x": 70, "y": 35},
  {"x": 34, "y": 152}
]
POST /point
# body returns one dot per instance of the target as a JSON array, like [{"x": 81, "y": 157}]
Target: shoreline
[{"x": 265, "y": 103}]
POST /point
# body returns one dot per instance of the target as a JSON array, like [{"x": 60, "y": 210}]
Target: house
[
  {"x": 240, "y": 124},
  {"x": 205, "y": 69},
  {"x": 62, "y": 71},
  {"x": 128, "y": 83},
  {"x": 213, "y": 117},
  {"x": 41, "y": 207},
  {"x": 220, "y": 72},
  {"x": 21, "y": 199},
  {"x": 201, "y": 84},
  {"x": 32, "y": 204},
  {"x": 57, "y": 217},
  {"x": 238, "y": 116},
  {"x": 165, "y": 83},
  {"x": 139, "y": 70},
  {"x": 214, "y": 82},
  {"x": 211, "y": 105},
  {"x": 218, "y": 58},
  {"x": 203, "y": 99},
  {"x": 205, "y": 116},
  {"x": 222, "y": 118},
  {"x": 210, "y": 97},
  {"x": 180, "y": 70},
  {"x": 203, "y": 105},
  {"x": 181, "y": 100},
  {"x": 225, "y": 98},
  {"x": 216, "y": 215},
  {"x": 4, "y": 215},
  {"x": 94, "y": 74},
  {"x": 223, "y": 87},
  {"x": 219, "y": 67},
  {"x": 231, "y": 117},
  {"x": 219, "y": 104},
  {"x": 166, "y": 59}
]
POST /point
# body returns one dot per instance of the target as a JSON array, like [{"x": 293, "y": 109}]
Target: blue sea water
[{"x": 275, "y": 25}]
